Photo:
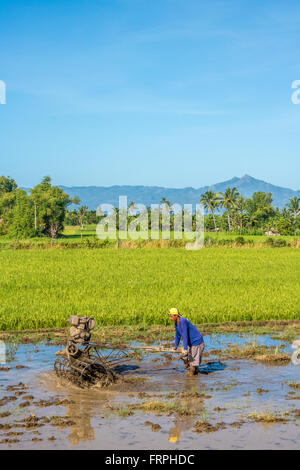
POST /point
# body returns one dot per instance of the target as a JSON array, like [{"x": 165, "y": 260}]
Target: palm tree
[
  {"x": 211, "y": 201},
  {"x": 133, "y": 207},
  {"x": 229, "y": 202},
  {"x": 240, "y": 210},
  {"x": 294, "y": 206},
  {"x": 165, "y": 201},
  {"x": 253, "y": 220}
]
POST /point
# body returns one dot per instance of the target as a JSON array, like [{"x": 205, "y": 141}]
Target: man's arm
[
  {"x": 184, "y": 330},
  {"x": 177, "y": 339}
]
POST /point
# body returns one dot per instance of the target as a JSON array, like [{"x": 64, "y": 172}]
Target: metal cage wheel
[
  {"x": 72, "y": 349},
  {"x": 62, "y": 366}
]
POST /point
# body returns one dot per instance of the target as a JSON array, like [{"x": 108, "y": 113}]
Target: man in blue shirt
[{"x": 193, "y": 344}]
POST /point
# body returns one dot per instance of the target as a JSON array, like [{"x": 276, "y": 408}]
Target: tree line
[
  {"x": 252, "y": 214},
  {"x": 228, "y": 211},
  {"x": 44, "y": 211}
]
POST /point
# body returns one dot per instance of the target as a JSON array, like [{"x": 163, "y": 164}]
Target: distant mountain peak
[
  {"x": 92, "y": 196},
  {"x": 230, "y": 182},
  {"x": 247, "y": 178}
]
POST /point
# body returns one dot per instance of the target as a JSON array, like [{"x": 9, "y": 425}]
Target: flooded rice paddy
[{"x": 156, "y": 405}]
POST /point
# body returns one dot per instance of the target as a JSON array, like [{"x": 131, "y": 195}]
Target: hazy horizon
[{"x": 167, "y": 187}]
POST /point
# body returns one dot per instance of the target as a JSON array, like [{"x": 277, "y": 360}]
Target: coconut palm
[
  {"x": 166, "y": 202},
  {"x": 211, "y": 201},
  {"x": 294, "y": 206},
  {"x": 229, "y": 202},
  {"x": 253, "y": 221},
  {"x": 240, "y": 210},
  {"x": 132, "y": 206}
]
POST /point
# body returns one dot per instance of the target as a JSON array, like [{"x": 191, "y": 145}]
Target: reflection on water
[
  {"x": 82, "y": 430},
  {"x": 179, "y": 427},
  {"x": 191, "y": 401},
  {"x": 174, "y": 434}
]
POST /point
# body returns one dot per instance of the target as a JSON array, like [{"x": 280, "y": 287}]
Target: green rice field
[{"x": 41, "y": 288}]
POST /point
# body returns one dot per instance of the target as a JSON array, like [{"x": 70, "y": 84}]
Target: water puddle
[{"x": 156, "y": 406}]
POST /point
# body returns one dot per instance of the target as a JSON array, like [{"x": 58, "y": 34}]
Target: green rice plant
[{"x": 41, "y": 288}]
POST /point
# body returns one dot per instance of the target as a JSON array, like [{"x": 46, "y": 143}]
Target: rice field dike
[{"x": 40, "y": 288}]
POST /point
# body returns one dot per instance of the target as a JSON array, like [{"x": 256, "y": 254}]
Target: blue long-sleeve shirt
[{"x": 188, "y": 332}]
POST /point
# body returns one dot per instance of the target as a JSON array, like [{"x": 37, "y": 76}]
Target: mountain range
[{"x": 92, "y": 196}]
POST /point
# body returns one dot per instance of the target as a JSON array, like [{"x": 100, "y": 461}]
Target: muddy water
[{"x": 100, "y": 418}]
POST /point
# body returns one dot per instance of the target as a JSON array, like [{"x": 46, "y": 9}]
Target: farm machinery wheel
[
  {"x": 105, "y": 376},
  {"x": 97, "y": 372},
  {"x": 62, "y": 367},
  {"x": 84, "y": 371}
]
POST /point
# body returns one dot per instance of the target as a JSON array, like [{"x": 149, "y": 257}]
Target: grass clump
[
  {"x": 267, "y": 417},
  {"x": 162, "y": 407},
  {"x": 267, "y": 355},
  {"x": 274, "y": 359},
  {"x": 124, "y": 412},
  {"x": 204, "y": 426},
  {"x": 295, "y": 385}
]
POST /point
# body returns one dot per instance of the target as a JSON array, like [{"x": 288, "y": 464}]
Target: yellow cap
[
  {"x": 173, "y": 439},
  {"x": 173, "y": 311}
]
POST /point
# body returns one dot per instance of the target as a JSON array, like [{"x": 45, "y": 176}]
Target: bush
[
  {"x": 224, "y": 242},
  {"x": 279, "y": 242},
  {"x": 276, "y": 243}
]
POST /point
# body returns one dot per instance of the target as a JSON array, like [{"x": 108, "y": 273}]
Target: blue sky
[{"x": 163, "y": 92}]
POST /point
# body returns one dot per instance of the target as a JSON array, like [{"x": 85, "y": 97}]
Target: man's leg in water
[{"x": 195, "y": 358}]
